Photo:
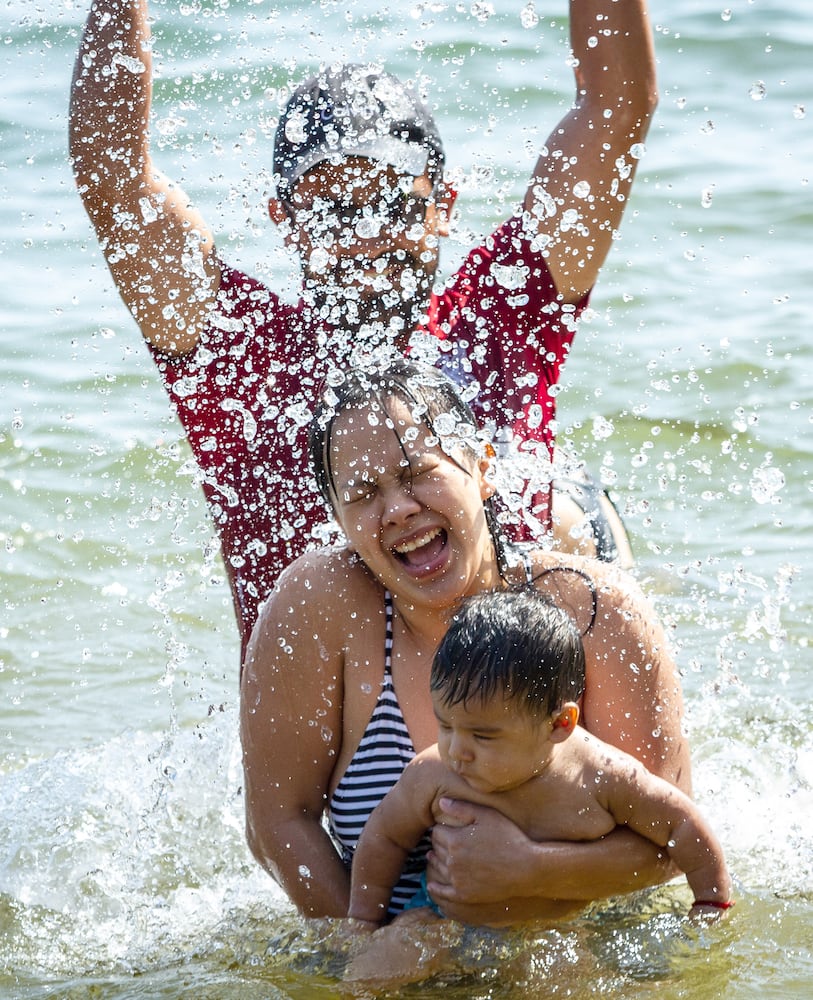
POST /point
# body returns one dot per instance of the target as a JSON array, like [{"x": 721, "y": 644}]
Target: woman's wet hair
[
  {"x": 433, "y": 401},
  {"x": 514, "y": 644}
]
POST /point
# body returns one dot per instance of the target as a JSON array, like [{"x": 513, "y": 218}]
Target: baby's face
[{"x": 492, "y": 745}]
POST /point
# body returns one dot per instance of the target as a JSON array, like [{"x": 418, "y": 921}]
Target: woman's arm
[
  {"x": 633, "y": 698},
  {"x": 291, "y": 730},
  {"x": 488, "y": 872}
]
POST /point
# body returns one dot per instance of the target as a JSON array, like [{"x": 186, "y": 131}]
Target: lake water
[{"x": 123, "y": 869}]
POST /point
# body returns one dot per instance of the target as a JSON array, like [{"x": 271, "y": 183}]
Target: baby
[{"x": 506, "y": 682}]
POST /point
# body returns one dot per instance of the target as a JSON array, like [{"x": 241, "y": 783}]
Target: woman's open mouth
[{"x": 424, "y": 551}]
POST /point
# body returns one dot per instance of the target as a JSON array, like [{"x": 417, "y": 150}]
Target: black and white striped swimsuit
[{"x": 383, "y": 753}]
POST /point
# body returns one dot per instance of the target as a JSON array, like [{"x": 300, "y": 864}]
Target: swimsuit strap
[
  {"x": 388, "y": 618},
  {"x": 587, "y": 494},
  {"x": 383, "y": 752},
  {"x": 527, "y": 562},
  {"x": 590, "y": 584}
]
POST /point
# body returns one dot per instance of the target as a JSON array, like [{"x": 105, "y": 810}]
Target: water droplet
[
  {"x": 758, "y": 91},
  {"x": 369, "y": 227},
  {"x": 766, "y": 483},
  {"x": 528, "y": 16},
  {"x": 319, "y": 260},
  {"x": 296, "y": 128},
  {"x": 249, "y": 423},
  {"x": 445, "y": 424},
  {"x": 512, "y": 277},
  {"x": 130, "y": 63},
  {"x": 602, "y": 428},
  {"x": 569, "y": 219},
  {"x": 148, "y": 211}
]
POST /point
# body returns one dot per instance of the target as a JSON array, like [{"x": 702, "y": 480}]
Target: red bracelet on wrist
[{"x": 718, "y": 904}]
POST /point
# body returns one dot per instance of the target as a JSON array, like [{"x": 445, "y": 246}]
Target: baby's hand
[
  {"x": 708, "y": 911},
  {"x": 345, "y": 936},
  {"x": 406, "y": 951},
  {"x": 359, "y": 926}
]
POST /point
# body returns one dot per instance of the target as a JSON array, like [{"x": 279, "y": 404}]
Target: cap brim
[{"x": 406, "y": 157}]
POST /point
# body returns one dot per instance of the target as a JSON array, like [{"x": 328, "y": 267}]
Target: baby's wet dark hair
[
  {"x": 514, "y": 644},
  {"x": 434, "y": 401}
]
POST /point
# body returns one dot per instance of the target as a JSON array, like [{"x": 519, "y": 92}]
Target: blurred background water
[{"x": 123, "y": 870}]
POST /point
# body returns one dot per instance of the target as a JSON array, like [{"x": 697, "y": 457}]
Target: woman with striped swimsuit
[{"x": 335, "y": 689}]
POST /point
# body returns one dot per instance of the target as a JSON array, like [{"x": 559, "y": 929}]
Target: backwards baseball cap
[{"x": 355, "y": 110}]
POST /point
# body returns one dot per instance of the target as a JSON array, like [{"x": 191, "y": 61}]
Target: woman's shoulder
[
  {"x": 333, "y": 569},
  {"x": 546, "y": 561},
  {"x": 323, "y": 584},
  {"x": 586, "y": 587},
  {"x": 313, "y": 601}
]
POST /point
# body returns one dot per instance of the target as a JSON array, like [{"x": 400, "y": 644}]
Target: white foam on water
[{"x": 126, "y": 854}]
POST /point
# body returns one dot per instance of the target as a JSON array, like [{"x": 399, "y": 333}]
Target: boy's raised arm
[
  {"x": 157, "y": 246},
  {"x": 583, "y": 177},
  {"x": 657, "y": 810}
]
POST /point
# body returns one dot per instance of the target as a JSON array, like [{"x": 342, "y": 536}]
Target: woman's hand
[
  {"x": 477, "y": 871},
  {"x": 473, "y": 855}
]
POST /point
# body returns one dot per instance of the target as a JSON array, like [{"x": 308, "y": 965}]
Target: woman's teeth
[{"x": 416, "y": 543}]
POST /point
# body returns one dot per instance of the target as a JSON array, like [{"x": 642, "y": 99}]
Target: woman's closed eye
[
  {"x": 358, "y": 492},
  {"x": 419, "y": 471}
]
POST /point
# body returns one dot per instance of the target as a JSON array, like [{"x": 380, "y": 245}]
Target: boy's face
[
  {"x": 491, "y": 744},
  {"x": 368, "y": 242}
]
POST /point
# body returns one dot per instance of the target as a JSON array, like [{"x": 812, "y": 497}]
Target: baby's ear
[
  {"x": 565, "y": 721},
  {"x": 486, "y": 465}
]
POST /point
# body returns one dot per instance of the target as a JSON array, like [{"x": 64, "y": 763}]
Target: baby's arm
[
  {"x": 657, "y": 810},
  {"x": 694, "y": 848},
  {"x": 392, "y": 831}
]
